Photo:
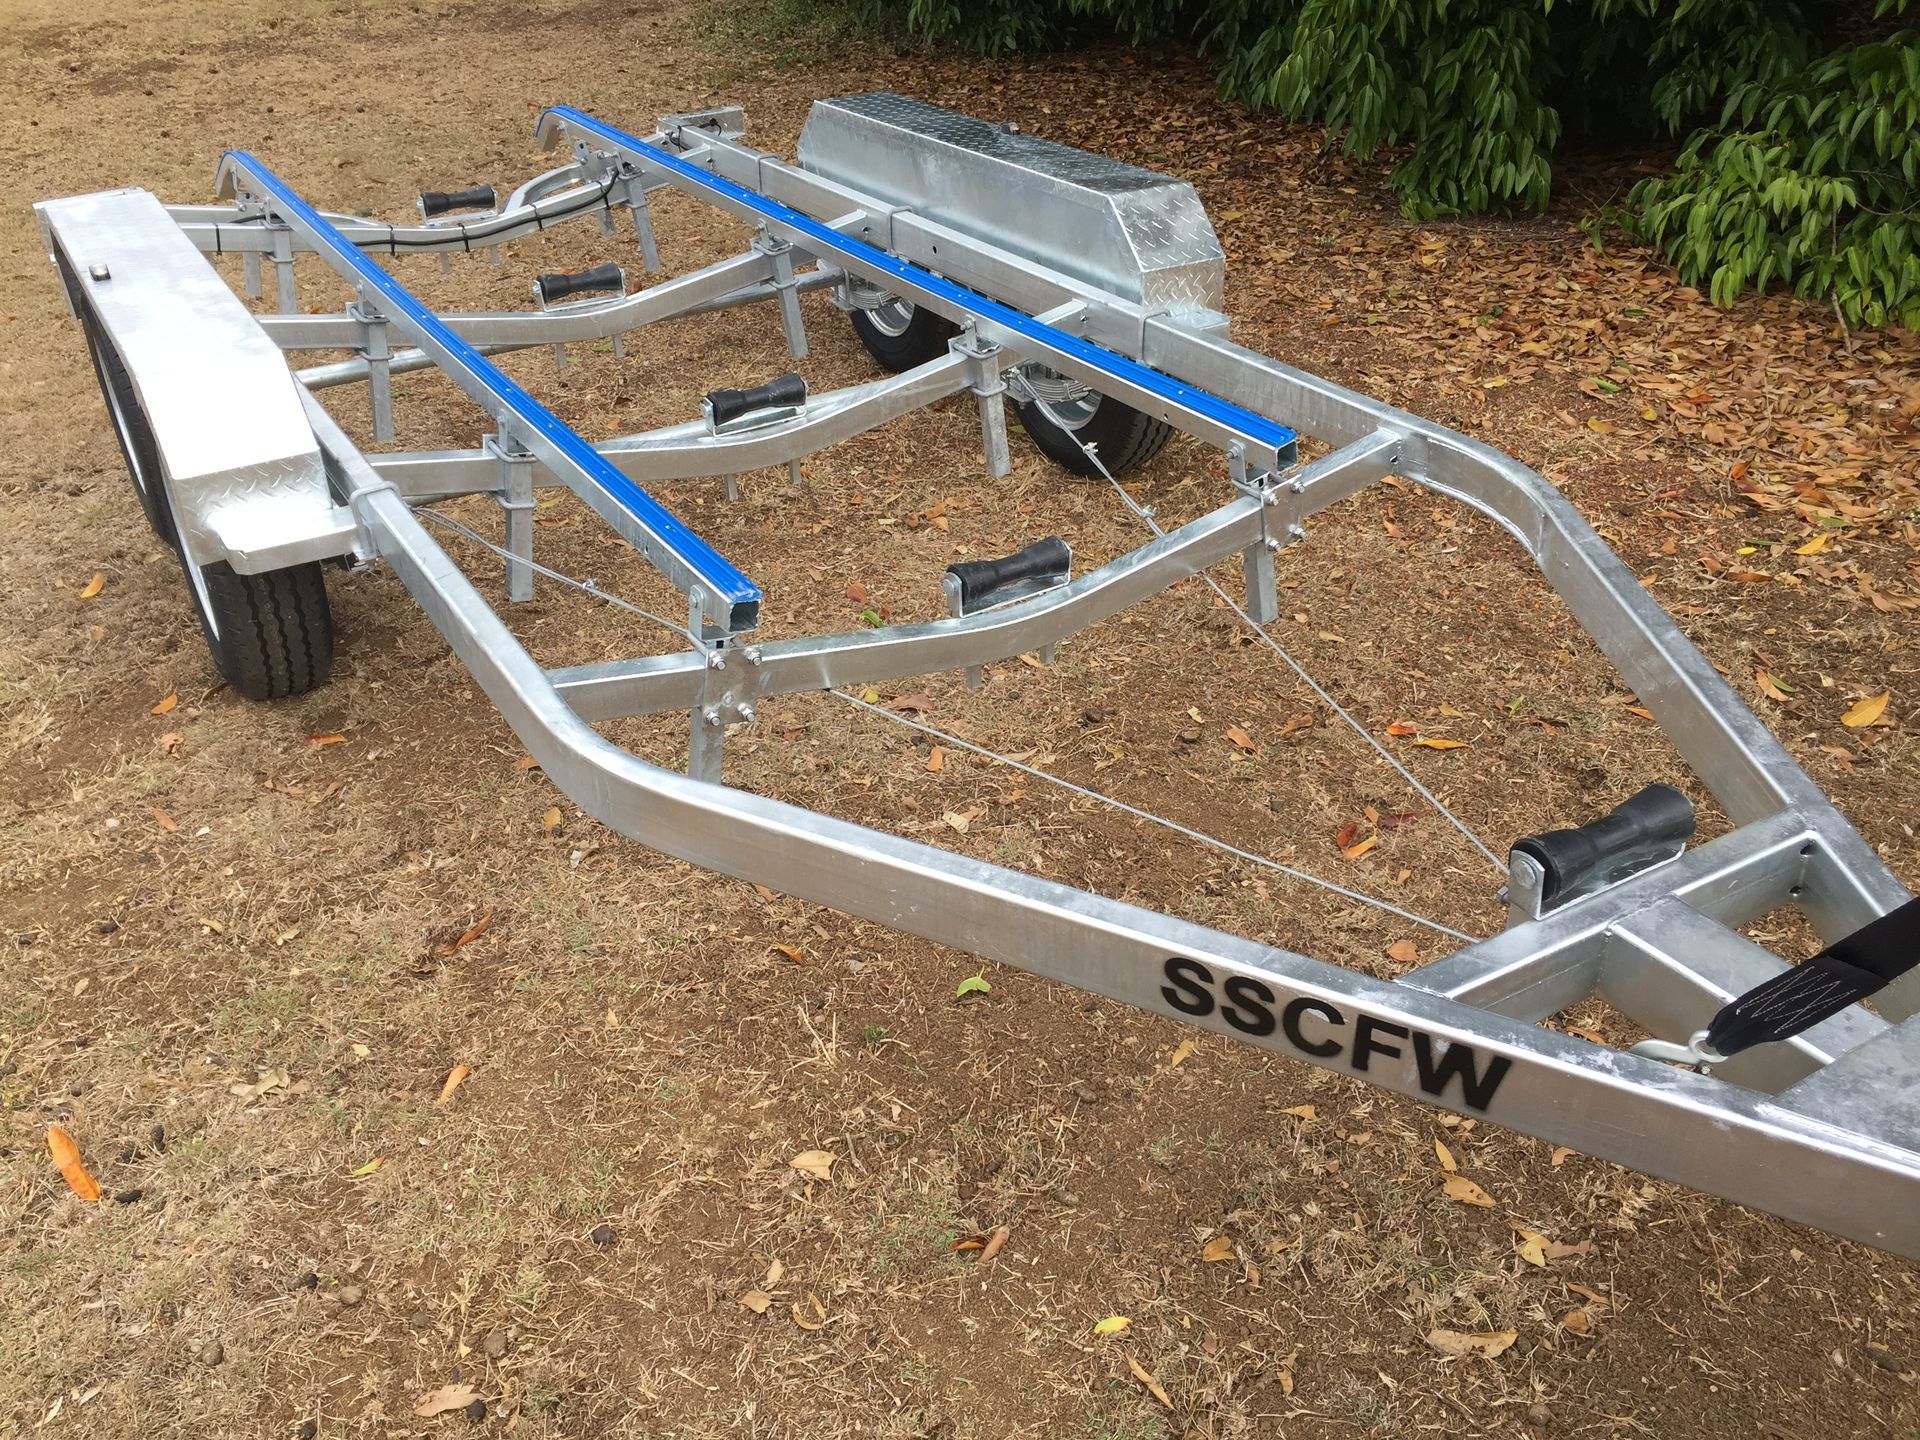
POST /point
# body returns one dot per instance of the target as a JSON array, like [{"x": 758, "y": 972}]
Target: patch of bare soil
[{"x": 230, "y": 962}]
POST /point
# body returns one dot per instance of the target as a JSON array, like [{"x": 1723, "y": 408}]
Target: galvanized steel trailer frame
[{"x": 1823, "y": 1127}]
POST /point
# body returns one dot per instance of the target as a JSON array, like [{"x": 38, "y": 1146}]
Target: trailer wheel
[
  {"x": 130, "y": 425},
  {"x": 271, "y": 634},
  {"x": 900, "y": 335},
  {"x": 1121, "y": 436}
]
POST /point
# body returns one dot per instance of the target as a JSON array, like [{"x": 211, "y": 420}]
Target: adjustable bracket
[
  {"x": 1263, "y": 588},
  {"x": 990, "y": 389},
  {"x": 516, "y": 499},
  {"x": 377, "y": 352},
  {"x": 780, "y": 252}
]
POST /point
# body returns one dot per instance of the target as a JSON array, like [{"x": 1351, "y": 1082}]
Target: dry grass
[{"x": 645, "y": 1056}]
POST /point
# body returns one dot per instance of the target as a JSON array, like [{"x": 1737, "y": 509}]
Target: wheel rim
[
  {"x": 1069, "y": 403},
  {"x": 891, "y": 316}
]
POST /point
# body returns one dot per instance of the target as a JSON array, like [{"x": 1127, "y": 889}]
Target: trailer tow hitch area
[{"x": 1094, "y": 291}]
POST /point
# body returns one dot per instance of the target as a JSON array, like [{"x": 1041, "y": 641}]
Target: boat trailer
[{"x": 974, "y": 259}]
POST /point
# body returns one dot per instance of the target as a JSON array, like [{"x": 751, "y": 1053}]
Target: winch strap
[{"x": 1847, "y": 971}]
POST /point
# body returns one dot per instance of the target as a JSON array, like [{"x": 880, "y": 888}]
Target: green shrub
[
  {"x": 1811, "y": 181},
  {"x": 1802, "y": 116}
]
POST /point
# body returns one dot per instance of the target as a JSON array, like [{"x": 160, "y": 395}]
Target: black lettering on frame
[
  {"x": 1290, "y": 1022},
  {"x": 1366, "y": 1041},
  {"x": 1189, "y": 986},
  {"x": 1476, "y": 1088},
  {"x": 1249, "y": 1005}
]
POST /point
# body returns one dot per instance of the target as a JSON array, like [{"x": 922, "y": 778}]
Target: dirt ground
[{"x": 230, "y": 965}]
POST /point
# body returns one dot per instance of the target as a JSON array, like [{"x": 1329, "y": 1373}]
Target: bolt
[
  {"x": 1299, "y": 487},
  {"x": 752, "y": 652},
  {"x": 710, "y": 715},
  {"x": 1296, "y": 532},
  {"x": 1273, "y": 544},
  {"x": 746, "y": 711},
  {"x": 716, "y": 660}
]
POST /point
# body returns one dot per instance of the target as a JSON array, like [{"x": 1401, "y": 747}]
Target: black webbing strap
[{"x": 1846, "y": 971}]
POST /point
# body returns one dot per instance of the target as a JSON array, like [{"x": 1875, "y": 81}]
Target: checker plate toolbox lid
[{"x": 1132, "y": 233}]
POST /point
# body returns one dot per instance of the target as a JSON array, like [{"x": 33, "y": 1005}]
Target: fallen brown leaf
[
  {"x": 1867, "y": 711},
  {"x": 165, "y": 821},
  {"x": 1217, "y": 1249},
  {"x": 1404, "y": 952},
  {"x": 165, "y": 707},
  {"x": 757, "y": 1301},
  {"x": 446, "y": 1399},
  {"x": 1531, "y": 1246},
  {"x": 1444, "y": 1155},
  {"x": 817, "y": 1163},
  {"x": 467, "y": 936},
  {"x": 95, "y": 585},
  {"x": 1145, "y": 1377},
  {"x": 455, "y": 1078},
  {"x": 1486, "y": 1343},
  {"x": 1460, "y": 1188}
]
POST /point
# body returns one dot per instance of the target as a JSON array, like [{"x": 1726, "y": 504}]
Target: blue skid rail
[
  {"x": 729, "y": 594},
  {"x": 824, "y": 240}
]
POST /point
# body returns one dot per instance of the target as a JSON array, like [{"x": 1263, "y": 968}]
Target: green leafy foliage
[
  {"x": 1801, "y": 118},
  {"x": 1810, "y": 181}
]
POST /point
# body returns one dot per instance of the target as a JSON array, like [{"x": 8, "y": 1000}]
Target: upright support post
[
  {"x": 643, "y": 225},
  {"x": 707, "y": 729},
  {"x": 250, "y": 273},
  {"x": 289, "y": 292},
  {"x": 375, "y": 350},
  {"x": 1263, "y": 597},
  {"x": 781, "y": 253},
  {"x": 956, "y": 607},
  {"x": 990, "y": 390},
  {"x": 516, "y": 499}
]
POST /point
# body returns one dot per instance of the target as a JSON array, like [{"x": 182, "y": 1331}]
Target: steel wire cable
[
  {"x": 591, "y": 587},
  {"x": 1174, "y": 825},
  {"x": 599, "y": 593},
  {"x": 1146, "y": 515}
]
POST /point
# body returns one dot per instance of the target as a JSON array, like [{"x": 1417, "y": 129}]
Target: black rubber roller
[
  {"x": 1048, "y": 559},
  {"x": 1650, "y": 826},
  {"x": 784, "y": 390},
  {"x": 609, "y": 278},
  {"x": 442, "y": 202}
]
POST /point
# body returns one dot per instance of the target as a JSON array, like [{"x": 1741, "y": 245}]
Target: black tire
[
  {"x": 130, "y": 425},
  {"x": 271, "y": 634},
  {"x": 900, "y": 335},
  {"x": 1122, "y": 436}
]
